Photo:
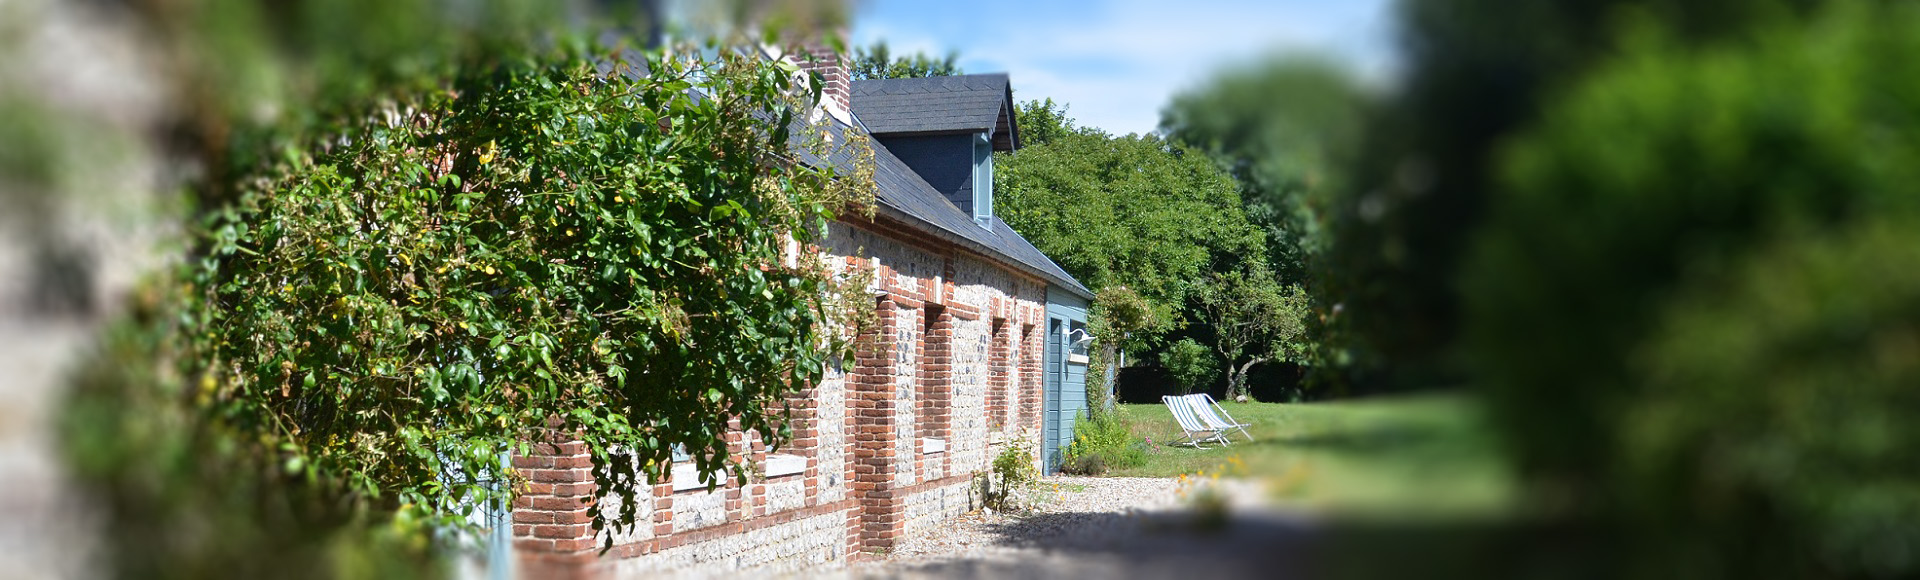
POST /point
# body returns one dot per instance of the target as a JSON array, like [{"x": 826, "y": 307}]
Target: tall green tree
[
  {"x": 1136, "y": 211},
  {"x": 877, "y": 61},
  {"x": 1044, "y": 121},
  {"x": 1285, "y": 128},
  {"x": 1254, "y": 319}
]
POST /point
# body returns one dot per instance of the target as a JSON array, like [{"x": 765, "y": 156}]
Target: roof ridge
[{"x": 952, "y": 103}]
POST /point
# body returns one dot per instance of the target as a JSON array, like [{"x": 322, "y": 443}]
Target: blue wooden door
[{"x": 1054, "y": 433}]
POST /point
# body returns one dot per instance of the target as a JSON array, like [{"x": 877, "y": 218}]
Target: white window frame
[{"x": 983, "y": 180}]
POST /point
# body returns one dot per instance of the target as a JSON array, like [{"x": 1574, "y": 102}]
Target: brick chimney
[{"x": 836, "y": 96}]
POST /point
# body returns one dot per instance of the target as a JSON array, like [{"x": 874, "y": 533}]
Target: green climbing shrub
[
  {"x": 579, "y": 238},
  {"x": 537, "y": 244},
  {"x": 1121, "y": 320}
]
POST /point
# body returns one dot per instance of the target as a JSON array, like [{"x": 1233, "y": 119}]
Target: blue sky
[{"x": 1116, "y": 62}]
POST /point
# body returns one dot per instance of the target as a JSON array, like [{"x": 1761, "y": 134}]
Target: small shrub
[
  {"x": 1085, "y": 465},
  {"x": 1009, "y": 487},
  {"x": 1101, "y": 443},
  {"x": 1190, "y": 363}
]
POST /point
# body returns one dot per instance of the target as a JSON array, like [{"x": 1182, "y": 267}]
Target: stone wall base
[
  {"x": 773, "y": 549},
  {"x": 929, "y": 508}
]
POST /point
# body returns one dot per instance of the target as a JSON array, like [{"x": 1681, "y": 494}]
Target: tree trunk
[
  {"x": 1237, "y": 378},
  {"x": 1116, "y": 358}
]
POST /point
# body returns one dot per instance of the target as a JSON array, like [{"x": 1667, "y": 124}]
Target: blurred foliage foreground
[
  {"x": 1695, "y": 298},
  {"x": 448, "y": 242}
]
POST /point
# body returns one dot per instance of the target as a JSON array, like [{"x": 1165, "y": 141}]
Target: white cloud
[{"x": 1117, "y": 62}]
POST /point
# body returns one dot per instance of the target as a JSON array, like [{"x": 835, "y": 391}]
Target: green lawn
[{"x": 1428, "y": 456}]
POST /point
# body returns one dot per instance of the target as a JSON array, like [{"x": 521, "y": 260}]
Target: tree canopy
[
  {"x": 877, "y": 61},
  {"x": 1482, "y": 70},
  {"x": 1135, "y": 210},
  {"x": 1254, "y": 319},
  {"x": 1285, "y": 128}
]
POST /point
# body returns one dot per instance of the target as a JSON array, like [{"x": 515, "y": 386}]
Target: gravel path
[
  {"x": 1100, "y": 527},
  {"x": 1070, "y": 509}
]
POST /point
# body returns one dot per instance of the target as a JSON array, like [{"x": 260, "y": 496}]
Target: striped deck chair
[
  {"x": 1196, "y": 429},
  {"x": 1204, "y": 406}
]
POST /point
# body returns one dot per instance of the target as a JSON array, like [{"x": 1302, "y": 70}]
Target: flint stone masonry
[
  {"x": 930, "y": 509},
  {"x": 779, "y": 548},
  {"x": 907, "y": 262},
  {"x": 967, "y": 406},
  {"x": 786, "y": 495},
  {"x": 830, "y": 450},
  {"x": 695, "y": 510},
  {"x": 906, "y": 372},
  {"x": 642, "y": 529}
]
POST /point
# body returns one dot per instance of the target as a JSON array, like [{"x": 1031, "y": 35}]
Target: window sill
[
  {"x": 686, "y": 476},
  {"x": 930, "y": 445},
  {"x": 784, "y": 465}
]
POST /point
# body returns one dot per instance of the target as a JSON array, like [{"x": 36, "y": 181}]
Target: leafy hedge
[
  {"x": 536, "y": 241},
  {"x": 581, "y": 238}
]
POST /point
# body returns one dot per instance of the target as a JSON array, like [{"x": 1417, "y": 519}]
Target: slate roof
[
  {"x": 950, "y": 104},
  {"x": 904, "y": 195}
]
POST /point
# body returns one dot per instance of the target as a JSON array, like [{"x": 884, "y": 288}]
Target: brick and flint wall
[{"x": 883, "y": 449}]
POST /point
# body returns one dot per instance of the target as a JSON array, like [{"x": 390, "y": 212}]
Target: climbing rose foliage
[{"x": 570, "y": 242}]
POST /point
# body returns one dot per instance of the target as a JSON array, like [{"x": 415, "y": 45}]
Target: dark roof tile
[{"x": 960, "y": 103}]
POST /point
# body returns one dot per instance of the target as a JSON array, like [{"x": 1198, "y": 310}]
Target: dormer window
[
  {"x": 983, "y": 180},
  {"x": 946, "y": 129}
]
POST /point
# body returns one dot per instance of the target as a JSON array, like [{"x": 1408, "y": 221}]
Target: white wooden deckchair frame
[
  {"x": 1196, "y": 430},
  {"x": 1204, "y": 406}
]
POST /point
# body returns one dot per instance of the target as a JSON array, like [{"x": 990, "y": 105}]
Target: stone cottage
[{"x": 983, "y": 346}]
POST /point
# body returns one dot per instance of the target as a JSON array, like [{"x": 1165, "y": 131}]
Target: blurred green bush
[
  {"x": 1695, "y": 297},
  {"x": 179, "y": 498}
]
